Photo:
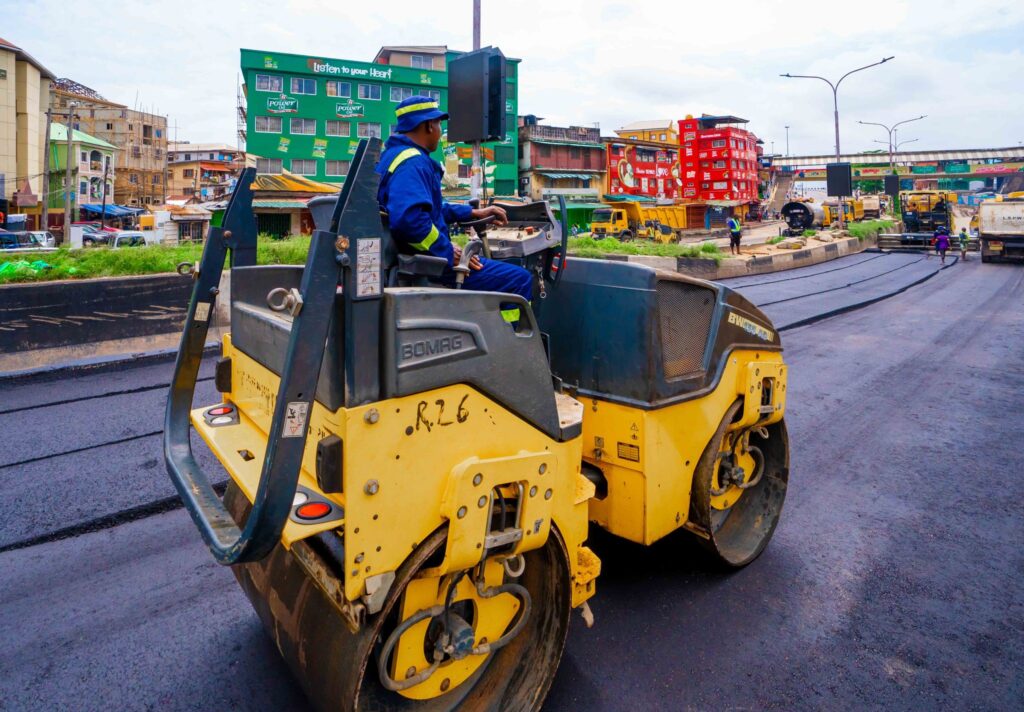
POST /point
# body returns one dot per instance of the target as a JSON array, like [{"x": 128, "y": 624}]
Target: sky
[{"x": 583, "y": 63}]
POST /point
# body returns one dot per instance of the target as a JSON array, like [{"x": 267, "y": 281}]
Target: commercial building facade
[
  {"x": 643, "y": 168},
  {"x": 306, "y": 115},
  {"x": 718, "y": 159},
  {"x": 24, "y": 96},
  {"x": 141, "y": 137},
  {"x": 202, "y": 171},
  {"x": 560, "y": 161}
]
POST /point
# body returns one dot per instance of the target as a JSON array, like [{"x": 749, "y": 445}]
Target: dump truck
[
  {"x": 411, "y": 477},
  {"x": 853, "y": 210},
  {"x": 872, "y": 206},
  {"x": 629, "y": 219},
  {"x": 1001, "y": 230}
]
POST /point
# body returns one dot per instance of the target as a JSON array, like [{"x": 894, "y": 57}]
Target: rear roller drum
[
  {"x": 435, "y": 637},
  {"x": 739, "y": 488}
]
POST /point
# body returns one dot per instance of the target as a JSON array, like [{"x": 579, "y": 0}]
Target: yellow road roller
[{"x": 412, "y": 477}]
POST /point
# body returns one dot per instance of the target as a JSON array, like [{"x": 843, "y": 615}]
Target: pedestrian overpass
[{"x": 955, "y": 163}]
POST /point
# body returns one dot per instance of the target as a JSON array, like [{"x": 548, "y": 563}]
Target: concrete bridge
[{"x": 975, "y": 163}]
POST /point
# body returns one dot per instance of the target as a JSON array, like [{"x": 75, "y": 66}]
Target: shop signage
[
  {"x": 324, "y": 66},
  {"x": 349, "y": 110},
  {"x": 282, "y": 105}
]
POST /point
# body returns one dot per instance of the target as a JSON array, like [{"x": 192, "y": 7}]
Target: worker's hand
[
  {"x": 496, "y": 210},
  {"x": 474, "y": 261}
]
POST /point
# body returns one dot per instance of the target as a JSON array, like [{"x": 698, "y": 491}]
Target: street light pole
[
  {"x": 893, "y": 146},
  {"x": 787, "y": 142},
  {"x": 835, "y": 108}
]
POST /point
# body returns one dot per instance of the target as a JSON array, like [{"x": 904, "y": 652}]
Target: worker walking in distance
[
  {"x": 964, "y": 240},
  {"x": 941, "y": 241},
  {"x": 735, "y": 234},
  {"x": 410, "y": 195}
]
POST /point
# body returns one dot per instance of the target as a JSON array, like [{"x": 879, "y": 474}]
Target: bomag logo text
[
  {"x": 432, "y": 347},
  {"x": 751, "y": 327}
]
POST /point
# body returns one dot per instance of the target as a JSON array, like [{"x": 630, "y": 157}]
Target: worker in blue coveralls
[{"x": 410, "y": 194}]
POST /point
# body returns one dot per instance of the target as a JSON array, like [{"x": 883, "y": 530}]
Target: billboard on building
[{"x": 643, "y": 170}]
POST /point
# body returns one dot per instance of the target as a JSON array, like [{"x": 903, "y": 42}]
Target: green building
[
  {"x": 92, "y": 164},
  {"x": 307, "y": 114}
]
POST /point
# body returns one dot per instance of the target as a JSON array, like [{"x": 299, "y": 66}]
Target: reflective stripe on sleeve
[
  {"x": 427, "y": 241},
  {"x": 402, "y": 157}
]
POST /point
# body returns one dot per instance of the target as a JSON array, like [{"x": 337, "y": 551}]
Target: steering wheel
[{"x": 552, "y": 272}]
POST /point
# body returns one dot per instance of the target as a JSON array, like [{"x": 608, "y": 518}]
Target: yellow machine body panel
[
  {"x": 648, "y": 457},
  {"x": 412, "y": 464}
]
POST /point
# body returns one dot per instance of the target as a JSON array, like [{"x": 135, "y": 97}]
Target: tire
[
  {"x": 625, "y": 236},
  {"x": 338, "y": 669},
  {"x": 739, "y": 534},
  {"x": 88, "y": 242}
]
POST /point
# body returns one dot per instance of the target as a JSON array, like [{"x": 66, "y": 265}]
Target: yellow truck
[
  {"x": 627, "y": 220},
  {"x": 853, "y": 209}
]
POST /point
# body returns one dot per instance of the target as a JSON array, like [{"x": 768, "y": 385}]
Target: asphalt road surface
[{"x": 893, "y": 580}]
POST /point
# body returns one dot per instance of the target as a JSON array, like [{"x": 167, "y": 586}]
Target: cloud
[{"x": 584, "y": 62}]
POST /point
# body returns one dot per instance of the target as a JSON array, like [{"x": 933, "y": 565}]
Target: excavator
[{"x": 412, "y": 478}]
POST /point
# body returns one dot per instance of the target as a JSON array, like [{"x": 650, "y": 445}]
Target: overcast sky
[{"x": 605, "y": 62}]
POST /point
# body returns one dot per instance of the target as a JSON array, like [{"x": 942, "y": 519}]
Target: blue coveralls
[{"x": 410, "y": 194}]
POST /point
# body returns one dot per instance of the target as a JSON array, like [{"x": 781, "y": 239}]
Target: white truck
[{"x": 1001, "y": 230}]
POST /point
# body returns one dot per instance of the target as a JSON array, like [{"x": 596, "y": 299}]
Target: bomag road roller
[{"x": 412, "y": 475}]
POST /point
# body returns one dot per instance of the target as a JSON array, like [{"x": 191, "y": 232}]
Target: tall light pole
[
  {"x": 787, "y": 142},
  {"x": 71, "y": 116},
  {"x": 835, "y": 106},
  {"x": 891, "y": 130}
]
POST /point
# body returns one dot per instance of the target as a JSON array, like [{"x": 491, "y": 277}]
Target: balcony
[{"x": 574, "y": 134}]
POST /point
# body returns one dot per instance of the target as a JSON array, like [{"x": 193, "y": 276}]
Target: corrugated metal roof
[
  {"x": 558, "y": 176},
  {"x": 283, "y": 204},
  {"x": 647, "y": 125},
  {"x": 559, "y": 142},
  {"x": 59, "y": 133}
]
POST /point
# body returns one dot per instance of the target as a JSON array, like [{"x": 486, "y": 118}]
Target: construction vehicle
[
  {"x": 872, "y": 205},
  {"x": 802, "y": 214},
  {"x": 925, "y": 210},
  {"x": 1001, "y": 230},
  {"x": 853, "y": 210},
  {"x": 628, "y": 219},
  {"x": 411, "y": 476}
]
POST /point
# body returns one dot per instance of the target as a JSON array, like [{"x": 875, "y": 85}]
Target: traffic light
[{"x": 476, "y": 96}]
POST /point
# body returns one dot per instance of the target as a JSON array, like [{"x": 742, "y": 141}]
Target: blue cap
[{"x": 415, "y": 110}]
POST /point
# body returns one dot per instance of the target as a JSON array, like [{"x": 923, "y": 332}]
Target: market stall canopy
[{"x": 111, "y": 210}]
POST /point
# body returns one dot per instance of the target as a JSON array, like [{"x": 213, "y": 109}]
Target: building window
[
  {"x": 188, "y": 173},
  {"x": 110, "y": 127},
  {"x": 303, "y": 86},
  {"x": 337, "y": 168},
  {"x": 368, "y": 129},
  {"x": 85, "y": 157},
  {"x": 156, "y": 179},
  {"x": 369, "y": 91},
  {"x": 663, "y": 137},
  {"x": 719, "y": 164},
  {"x": 392, "y": 129},
  {"x": 721, "y": 185},
  {"x": 267, "y": 124},
  {"x": 302, "y": 126},
  {"x": 268, "y": 165},
  {"x": 342, "y": 89},
  {"x": 401, "y": 93},
  {"x": 133, "y": 178},
  {"x": 83, "y": 188},
  {"x": 718, "y": 143},
  {"x": 465, "y": 170},
  {"x": 188, "y": 156},
  {"x": 705, "y": 186},
  {"x": 338, "y": 128},
  {"x": 419, "y": 61},
  {"x": 305, "y": 167},
  {"x": 734, "y": 164},
  {"x": 269, "y": 82},
  {"x": 212, "y": 156}
]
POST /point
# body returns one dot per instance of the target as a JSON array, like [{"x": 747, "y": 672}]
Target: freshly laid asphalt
[{"x": 893, "y": 580}]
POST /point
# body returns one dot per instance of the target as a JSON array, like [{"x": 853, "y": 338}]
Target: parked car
[
  {"x": 144, "y": 237},
  {"x": 128, "y": 239},
  {"x": 92, "y": 236},
  {"x": 43, "y": 238},
  {"x": 21, "y": 242}
]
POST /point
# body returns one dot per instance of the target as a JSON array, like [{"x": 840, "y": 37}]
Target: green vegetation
[
  {"x": 810, "y": 233},
  {"x": 775, "y": 240},
  {"x": 589, "y": 247},
  {"x": 868, "y": 228},
  {"x": 106, "y": 262}
]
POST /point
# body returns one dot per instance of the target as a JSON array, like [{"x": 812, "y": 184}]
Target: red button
[
  {"x": 313, "y": 510},
  {"x": 220, "y": 410}
]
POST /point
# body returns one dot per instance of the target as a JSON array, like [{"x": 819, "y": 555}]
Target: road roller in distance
[{"x": 412, "y": 477}]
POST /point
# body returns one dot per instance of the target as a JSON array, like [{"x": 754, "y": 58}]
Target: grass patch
[
  {"x": 154, "y": 259},
  {"x": 810, "y": 233},
  {"x": 590, "y": 247},
  {"x": 868, "y": 228},
  {"x": 775, "y": 240}
]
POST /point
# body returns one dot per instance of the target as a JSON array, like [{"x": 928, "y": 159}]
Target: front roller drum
[
  {"x": 338, "y": 670},
  {"x": 738, "y": 522}
]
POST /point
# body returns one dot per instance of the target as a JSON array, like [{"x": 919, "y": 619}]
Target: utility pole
[
  {"x": 787, "y": 142},
  {"x": 835, "y": 107},
  {"x": 477, "y": 181},
  {"x": 103, "y": 209},
  {"x": 44, "y": 215},
  {"x": 67, "y": 173}
]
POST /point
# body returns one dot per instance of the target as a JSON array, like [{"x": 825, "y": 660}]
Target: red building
[
  {"x": 718, "y": 160},
  {"x": 644, "y": 169}
]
